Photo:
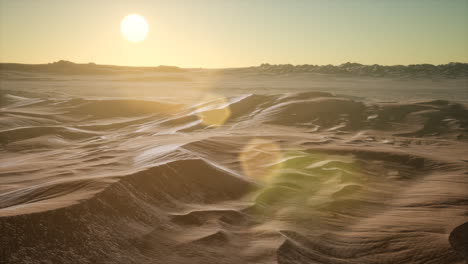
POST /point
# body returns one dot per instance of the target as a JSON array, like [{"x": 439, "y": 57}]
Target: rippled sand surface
[{"x": 165, "y": 170}]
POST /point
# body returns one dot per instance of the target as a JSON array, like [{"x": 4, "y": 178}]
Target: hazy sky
[{"x": 233, "y": 33}]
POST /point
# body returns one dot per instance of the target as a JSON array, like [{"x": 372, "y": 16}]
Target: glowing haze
[{"x": 209, "y": 33}]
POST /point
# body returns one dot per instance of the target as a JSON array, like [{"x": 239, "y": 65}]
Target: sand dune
[{"x": 279, "y": 177}]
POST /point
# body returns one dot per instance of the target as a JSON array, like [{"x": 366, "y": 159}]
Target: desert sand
[{"x": 254, "y": 165}]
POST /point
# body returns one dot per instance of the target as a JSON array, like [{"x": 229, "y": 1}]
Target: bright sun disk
[{"x": 134, "y": 28}]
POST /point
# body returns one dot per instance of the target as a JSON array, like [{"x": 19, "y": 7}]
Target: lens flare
[
  {"x": 213, "y": 110},
  {"x": 261, "y": 159},
  {"x": 301, "y": 185}
]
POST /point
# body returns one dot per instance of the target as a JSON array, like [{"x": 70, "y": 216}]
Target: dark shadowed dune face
[{"x": 260, "y": 177}]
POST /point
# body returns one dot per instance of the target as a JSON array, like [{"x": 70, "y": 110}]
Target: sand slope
[{"x": 305, "y": 177}]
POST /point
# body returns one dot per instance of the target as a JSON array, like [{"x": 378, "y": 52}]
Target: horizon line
[{"x": 232, "y": 67}]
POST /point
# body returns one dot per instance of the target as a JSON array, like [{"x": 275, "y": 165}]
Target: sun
[{"x": 134, "y": 28}]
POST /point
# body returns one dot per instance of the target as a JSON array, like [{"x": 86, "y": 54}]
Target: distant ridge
[
  {"x": 450, "y": 70},
  {"x": 68, "y": 67}
]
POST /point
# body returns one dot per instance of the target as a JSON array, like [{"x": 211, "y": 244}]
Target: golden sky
[{"x": 211, "y": 33}]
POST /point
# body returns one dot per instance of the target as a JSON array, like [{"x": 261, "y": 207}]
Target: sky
[{"x": 236, "y": 33}]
